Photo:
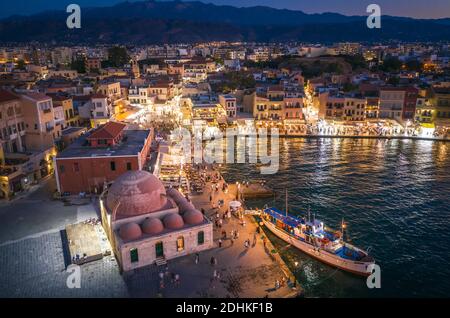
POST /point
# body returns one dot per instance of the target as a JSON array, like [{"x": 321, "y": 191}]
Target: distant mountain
[{"x": 150, "y": 22}]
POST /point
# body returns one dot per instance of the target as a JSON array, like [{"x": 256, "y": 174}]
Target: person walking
[
  {"x": 197, "y": 258},
  {"x": 220, "y": 243}
]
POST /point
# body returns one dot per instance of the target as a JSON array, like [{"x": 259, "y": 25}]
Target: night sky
[{"x": 409, "y": 8}]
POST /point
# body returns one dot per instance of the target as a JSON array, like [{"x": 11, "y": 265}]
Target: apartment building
[
  {"x": 39, "y": 120},
  {"x": 100, "y": 110},
  {"x": 398, "y": 103},
  {"x": 12, "y": 125},
  {"x": 228, "y": 102},
  {"x": 342, "y": 108},
  {"x": 441, "y": 101},
  {"x": 111, "y": 89},
  {"x": 92, "y": 63},
  {"x": 163, "y": 89},
  {"x": 141, "y": 95}
]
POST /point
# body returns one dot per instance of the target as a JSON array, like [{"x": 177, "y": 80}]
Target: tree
[
  {"x": 118, "y": 56},
  {"x": 356, "y": 61},
  {"x": 391, "y": 64},
  {"x": 21, "y": 64},
  {"x": 349, "y": 87},
  {"x": 78, "y": 65}
]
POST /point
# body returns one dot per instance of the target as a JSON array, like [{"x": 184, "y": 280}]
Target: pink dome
[
  {"x": 193, "y": 217},
  {"x": 136, "y": 193},
  {"x": 152, "y": 226},
  {"x": 130, "y": 231},
  {"x": 173, "y": 221}
]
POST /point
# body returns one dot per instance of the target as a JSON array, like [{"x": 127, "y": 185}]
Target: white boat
[{"x": 324, "y": 244}]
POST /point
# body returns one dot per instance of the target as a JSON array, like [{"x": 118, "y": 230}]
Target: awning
[{"x": 427, "y": 125}]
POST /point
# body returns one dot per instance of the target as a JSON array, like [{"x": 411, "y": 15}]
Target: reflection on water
[{"x": 393, "y": 193}]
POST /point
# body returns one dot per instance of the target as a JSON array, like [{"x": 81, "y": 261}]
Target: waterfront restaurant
[{"x": 146, "y": 224}]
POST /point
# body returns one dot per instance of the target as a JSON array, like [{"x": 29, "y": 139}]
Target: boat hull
[{"x": 354, "y": 267}]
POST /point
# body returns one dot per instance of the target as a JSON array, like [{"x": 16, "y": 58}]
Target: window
[
  {"x": 128, "y": 166},
  {"x": 62, "y": 168},
  {"x": 76, "y": 167},
  {"x": 134, "y": 256},
  {"x": 159, "y": 249},
  {"x": 200, "y": 238},
  {"x": 180, "y": 244},
  {"x": 113, "y": 165}
]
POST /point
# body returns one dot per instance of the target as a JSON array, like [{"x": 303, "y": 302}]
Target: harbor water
[{"x": 394, "y": 196}]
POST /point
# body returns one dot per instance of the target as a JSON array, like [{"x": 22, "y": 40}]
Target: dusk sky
[{"x": 410, "y": 8}]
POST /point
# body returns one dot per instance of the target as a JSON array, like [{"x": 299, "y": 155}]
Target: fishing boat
[{"x": 316, "y": 240}]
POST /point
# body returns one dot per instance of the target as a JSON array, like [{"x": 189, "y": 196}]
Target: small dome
[
  {"x": 152, "y": 226},
  {"x": 173, "y": 221},
  {"x": 130, "y": 231},
  {"x": 193, "y": 217}
]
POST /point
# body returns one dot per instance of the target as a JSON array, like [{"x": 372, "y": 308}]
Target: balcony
[{"x": 49, "y": 128}]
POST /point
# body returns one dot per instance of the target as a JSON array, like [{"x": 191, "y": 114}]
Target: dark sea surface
[{"x": 393, "y": 194}]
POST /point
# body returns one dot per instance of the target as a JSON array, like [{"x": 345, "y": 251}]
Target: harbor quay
[{"x": 252, "y": 271}]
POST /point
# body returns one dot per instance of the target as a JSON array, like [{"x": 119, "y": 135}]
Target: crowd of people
[{"x": 366, "y": 130}]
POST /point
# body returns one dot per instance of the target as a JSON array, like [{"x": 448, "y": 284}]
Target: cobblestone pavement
[
  {"x": 32, "y": 262},
  {"x": 35, "y": 267},
  {"x": 34, "y": 213}
]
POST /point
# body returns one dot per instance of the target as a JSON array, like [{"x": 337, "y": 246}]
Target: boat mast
[{"x": 286, "y": 202}]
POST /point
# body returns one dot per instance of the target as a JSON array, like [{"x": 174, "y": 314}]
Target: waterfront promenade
[
  {"x": 249, "y": 272},
  {"x": 401, "y": 137}
]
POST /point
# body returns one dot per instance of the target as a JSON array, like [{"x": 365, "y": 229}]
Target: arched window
[
  {"x": 200, "y": 238},
  {"x": 180, "y": 244}
]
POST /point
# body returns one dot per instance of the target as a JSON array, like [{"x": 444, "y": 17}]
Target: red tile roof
[
  {"x": 6, "y": 96},
  {"x": 109, "y": 130}
]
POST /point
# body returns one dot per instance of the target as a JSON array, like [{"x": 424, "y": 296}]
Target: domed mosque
[{"x": 144, "y": 222}]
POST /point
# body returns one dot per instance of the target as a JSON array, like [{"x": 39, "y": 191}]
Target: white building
[{"x": 228, "y": 102}]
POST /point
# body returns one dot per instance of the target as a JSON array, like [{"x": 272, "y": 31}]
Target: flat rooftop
[
  {"x": 71, "y": 130},
  {"x": 132, "y": 143}
]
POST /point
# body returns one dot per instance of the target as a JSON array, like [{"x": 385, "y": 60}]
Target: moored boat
[{"x": 318, "y": 241}]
